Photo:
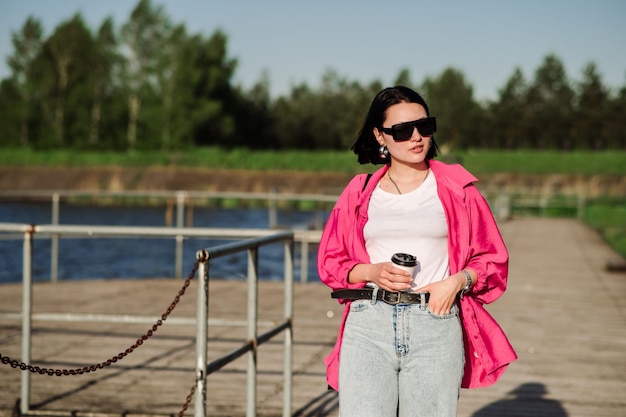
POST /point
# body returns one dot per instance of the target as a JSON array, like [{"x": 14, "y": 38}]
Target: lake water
[{"x": 136, "y": 258}]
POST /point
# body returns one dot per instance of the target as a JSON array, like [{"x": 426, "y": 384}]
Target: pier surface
[{"x": 564, "y": 313}]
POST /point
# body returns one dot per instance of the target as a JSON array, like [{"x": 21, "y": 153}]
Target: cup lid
[{"x": 404, "y": 259}]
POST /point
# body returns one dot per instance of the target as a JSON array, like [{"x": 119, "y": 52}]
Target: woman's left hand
[{"x": 443, "y": 293}]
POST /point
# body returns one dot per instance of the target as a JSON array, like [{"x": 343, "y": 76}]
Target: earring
[{"x": 383, "y": 151}]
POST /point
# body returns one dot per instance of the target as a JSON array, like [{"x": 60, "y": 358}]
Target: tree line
[{"x": 150, "y": 84}]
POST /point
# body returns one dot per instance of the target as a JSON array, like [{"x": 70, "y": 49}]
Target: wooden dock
[{"x": 564, "y": 313}]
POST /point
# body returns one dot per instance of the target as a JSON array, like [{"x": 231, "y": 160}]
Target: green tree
[
  {"x": 450, "y": 99},
  {"x": 614, "y": 131},
  {"x": 254, "y": 115},
  {"x": 10, "y": 103},
  {"x": 507, "y": 113},
  {"x": 105, "y": 59},
  {"x": 550, "y": 101},
  {"x": 325, "y": 119},
  {"x": 62, "y": 71},
  {"x": 172, "y": 86},
  {"x": 404, "y": 78},
  {"x": 294, "y": 118},
  {"x": 215, "y": 101},
  {"x": 143, "y": 36},
  {"x": 591, "y": 111},
  {"x": 339, "y": 106},
  {"x": 153, "y": 85},
  {"x": 27, "y": 43}
]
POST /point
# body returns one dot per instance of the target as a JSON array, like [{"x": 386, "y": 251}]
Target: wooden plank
[
  {"x": 156, "y": 377},
  {"x": 564, "y": 313}
]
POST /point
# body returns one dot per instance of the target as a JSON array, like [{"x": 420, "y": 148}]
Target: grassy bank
[
  {"x": 606, "y": 216},
  {"x": 477, "y": 161}
]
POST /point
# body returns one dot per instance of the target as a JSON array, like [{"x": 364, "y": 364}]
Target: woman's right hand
[{"x": 383, "y": 274}]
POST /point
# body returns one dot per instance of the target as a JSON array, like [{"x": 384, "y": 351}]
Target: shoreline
[{"x": 119, "y": 179}]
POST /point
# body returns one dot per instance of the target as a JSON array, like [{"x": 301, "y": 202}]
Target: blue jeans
[{"x": 400, "y": 360}]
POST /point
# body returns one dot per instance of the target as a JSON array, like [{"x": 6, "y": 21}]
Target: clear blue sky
[{"x": 297, "y": 41}]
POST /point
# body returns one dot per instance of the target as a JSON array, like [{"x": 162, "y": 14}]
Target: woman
[{"x": 407, "y": 344}]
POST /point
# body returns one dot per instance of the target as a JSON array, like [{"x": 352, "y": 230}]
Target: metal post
[
  {"x": 273, "y": 210},
  {"x": 180, "y": 222},
  {"x": 288, "y": 347},
  {"x": 543, "y": 205},
  {"x": 304, "y": 259},
  {"x": 54, "y": 240},
  {"x": 202, "y": 319},
  {"x": 253, "y": 295},
  {"x": 580, "y": 206},
  {"x": 27, "y": 310},
  {"x": 503, "y": 207}
]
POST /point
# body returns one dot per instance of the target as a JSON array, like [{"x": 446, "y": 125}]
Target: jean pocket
[
  {"x": 359, "y": 305},
  {"x": 454, "y": 312}
]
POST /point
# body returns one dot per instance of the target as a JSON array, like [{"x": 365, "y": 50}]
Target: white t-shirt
[{"x": 412, "y": 223}]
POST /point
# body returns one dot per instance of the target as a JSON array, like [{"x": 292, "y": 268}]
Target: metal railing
[
  {"x": 503, "y": 203},
  {"x": 183, "y": 201},
  {"x": 506, "y": 204},
  {"x": 254, "y": 340},
  {"x": 203, "y": 256},
  {"x": 303, "y": 237}
]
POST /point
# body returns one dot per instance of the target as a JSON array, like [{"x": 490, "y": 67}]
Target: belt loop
[
  {"x": 374, "y": 295},
  {"x": 423, "y": 301}
]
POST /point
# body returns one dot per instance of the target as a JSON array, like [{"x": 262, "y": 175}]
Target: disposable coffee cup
[{"x": 405, "y": 261}]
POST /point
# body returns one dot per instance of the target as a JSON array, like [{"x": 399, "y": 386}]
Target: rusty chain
[
  {"x": 181, "y": 413},
  {"x": 92, "y": 368}
]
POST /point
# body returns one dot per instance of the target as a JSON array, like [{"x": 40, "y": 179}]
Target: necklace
[{"x": 396, "y": 185}]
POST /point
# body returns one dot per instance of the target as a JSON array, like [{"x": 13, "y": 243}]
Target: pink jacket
[{"x": 474, "y": 242}]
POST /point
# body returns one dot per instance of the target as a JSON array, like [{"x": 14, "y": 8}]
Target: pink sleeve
[
  {"x": 333, "y": 262},
  {"x": 339, "y": 244},
  {"x": 488, "y": 255}
]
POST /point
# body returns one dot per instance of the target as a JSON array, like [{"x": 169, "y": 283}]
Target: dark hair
[{"x": 366, "y": 145}]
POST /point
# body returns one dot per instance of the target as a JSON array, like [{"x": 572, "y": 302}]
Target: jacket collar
[{"x": 453, "y": 175}]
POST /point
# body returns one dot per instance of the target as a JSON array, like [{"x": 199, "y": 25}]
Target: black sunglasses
[{"x": 404, "y": 131}]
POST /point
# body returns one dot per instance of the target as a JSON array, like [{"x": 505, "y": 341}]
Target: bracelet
[{"x": 468, "y": 284}]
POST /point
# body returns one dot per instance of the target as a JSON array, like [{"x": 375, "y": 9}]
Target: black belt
[{"x": 388, "y": 297}]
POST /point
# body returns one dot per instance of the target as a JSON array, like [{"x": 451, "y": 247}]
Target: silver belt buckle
[{"x": 391, "y": 294}]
